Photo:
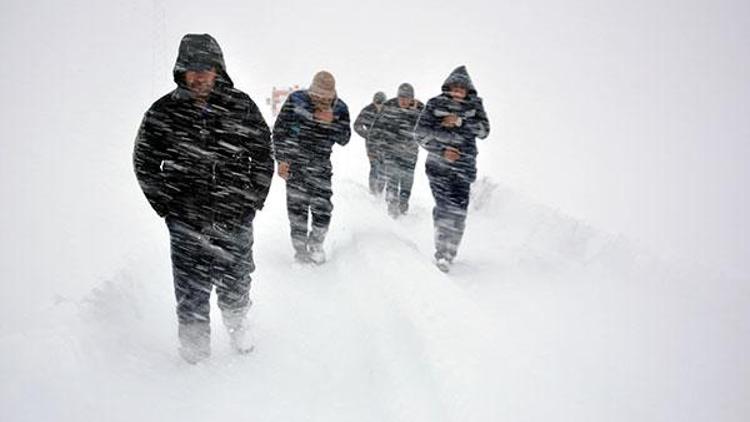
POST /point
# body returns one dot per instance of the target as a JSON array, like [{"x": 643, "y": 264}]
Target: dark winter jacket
[
  {"x": 435, "y": 138},
  {"x": 302, "y": 141},
  {"x": 204, "y": 165},
  {"x": 363, "y": 123},
  {"x": 393, "y": 131}
]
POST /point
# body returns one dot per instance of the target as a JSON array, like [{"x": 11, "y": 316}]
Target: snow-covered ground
[
  {"x": 543, "y": 318},
  {"x": 626, "y": 114}
]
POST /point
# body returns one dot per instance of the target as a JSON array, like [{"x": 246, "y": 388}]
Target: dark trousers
[
  {"x": 377, "y": 173},
  {"x": 309, "y": 195},
  {"x": 204, "y": 256},
  {"x": 399, "y": 181},
  {"x": 451, "y": 193}
]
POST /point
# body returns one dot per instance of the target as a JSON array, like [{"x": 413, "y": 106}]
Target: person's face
[
  {"x": 404, "y": 102},
  {"x": 200, "y": 82},
  {"x": 457, "y": 92},
  {"x": 321, "y": 101}
]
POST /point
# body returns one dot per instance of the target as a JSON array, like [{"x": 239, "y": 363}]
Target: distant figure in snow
[
  {"x": 362, "y": 126},
  {"x": 203, "y": 159},
  {"x": 393, "y": 134},
  {"x": 447, "y": 129},
  {"x": 310, "y": 122}
]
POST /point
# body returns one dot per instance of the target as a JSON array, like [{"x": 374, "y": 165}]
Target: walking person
[
  {"x": 393, "y": 133},
  {"x": 447, "y": 129},
  {"x": 203, "y": 159},
  {"x": 362, "y": 125},
  {"x": 310, "y": 123}
]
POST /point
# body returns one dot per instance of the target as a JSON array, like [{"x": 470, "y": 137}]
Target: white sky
[{"x": 629, "y": 115}]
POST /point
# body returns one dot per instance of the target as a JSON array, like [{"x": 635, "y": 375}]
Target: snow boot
[
  {"x": 315, "y": 245},
  {"x": 317, "y": 254},
  {"x": 195, "y": 341},
  {"x": 403, "y": 207},
  {"x": 301, "y": 254},
  {"x": 393, "y": 210},
  {"x": 443, "y": 264},
  {"x": 240, "y": 333}
]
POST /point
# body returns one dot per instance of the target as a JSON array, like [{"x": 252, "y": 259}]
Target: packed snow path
[{"x": 541, "y": 319}]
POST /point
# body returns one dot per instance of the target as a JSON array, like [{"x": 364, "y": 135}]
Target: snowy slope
[{"x": 543, "y": 318}]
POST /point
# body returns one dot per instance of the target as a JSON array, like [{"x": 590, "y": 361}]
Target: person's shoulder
[
  {"x": 438, "y": 101},
  {"x": 340, "y": 106},
  {"x": 340, "y": 103},
  {"x": 299, "y": 96},
  {"x": 442, "y": 97},
  {"x": 369, "y": 108},
  {"x": 237, "y": 94},
  {"x": 239, "y": 98},
  {"x": 164, "y": 102},
  {"x": 393, "y": 102}
]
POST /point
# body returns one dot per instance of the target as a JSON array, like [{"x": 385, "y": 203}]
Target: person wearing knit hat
[
  {"x": 448, "y": 129},
  {"x": 323, "y": 86},
  {"x": 379, "y": 98},
  {"x": 362, "y": 126},
  {"x": 405, "y": 90},
  {"x": 207, "y": 183},
  {"x": 309, "y": 124},
  {"x": 393, "y": 133}
]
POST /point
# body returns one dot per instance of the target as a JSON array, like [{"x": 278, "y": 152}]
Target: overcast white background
[{"x": 631, "y": 116}]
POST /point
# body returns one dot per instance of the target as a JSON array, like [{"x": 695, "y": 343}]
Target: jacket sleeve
[
  {"x": 341, "y": 131},
  {"x": 428, "y": 130},
  {"x": 363, "y": 122},
  {"x": 479, "y": 124},
  {"x": 285, "y": 132},
  {"x": 259, "y": 149},
  {"x": 148, "y": 154}
]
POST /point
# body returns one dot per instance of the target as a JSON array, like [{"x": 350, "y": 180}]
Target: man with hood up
[
  {"x": 203, "y": 159},
  {"x": 362, "y": 126},
  {"x": 393, "y": 133},
  {"x": 447, "y": 129},
  {"x": 310, "y": 123}
]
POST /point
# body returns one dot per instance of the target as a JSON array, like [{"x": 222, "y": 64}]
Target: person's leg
[
  {"x": 232, "y": 278},
  {"x": 457, "y": 211},
  {"x": 192, "y": 284},
  {"x": 392, "y": 182},
  {"x": 379, "y": 173},
  {"x": 440, "y": 213},
  {"x": 408, "y": 165},
  {"x": 373, "y": 177},
  {"x": 321, "y": 209},
  {"x": 298, "y": 209}
]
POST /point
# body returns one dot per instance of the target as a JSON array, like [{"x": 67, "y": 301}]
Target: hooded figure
[
  {"x": 447, "y": 129},
  {"x": 309, "y": 124},
  {"x": 393, "y": 133},
  {"x": 203, "y": 159},
  {"x": 362, "y": 126}
]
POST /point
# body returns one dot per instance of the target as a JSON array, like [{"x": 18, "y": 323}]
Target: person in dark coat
[
  {"x": 310, "y": 123},
  {"x": 203, "y": 159},
  {"x": 447, "y": 129},
  {"x": 393, "y": 133},
  {"x": 362, "y": 125}
]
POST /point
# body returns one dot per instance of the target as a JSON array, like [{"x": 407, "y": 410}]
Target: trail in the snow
[{"x": 542, "y": 318}]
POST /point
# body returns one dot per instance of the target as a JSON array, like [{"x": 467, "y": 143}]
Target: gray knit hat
[
  {"x": 323, "y": 85},
  {"x": 379, "y": 97},
  {"x": 405, "y": 90}
]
